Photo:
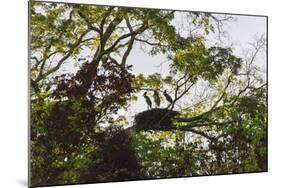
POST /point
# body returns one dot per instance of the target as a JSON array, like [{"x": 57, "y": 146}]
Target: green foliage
[
  {"x": 197, "y": 61},
  {"x": 153, "y": 81},
  {"x": 77, "y": 135},
  {"x": 164, "y": 154},
  {"x": 243, "y": 138}
]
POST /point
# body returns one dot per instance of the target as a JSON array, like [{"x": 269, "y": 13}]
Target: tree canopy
[{"x": 213, "y": 121}]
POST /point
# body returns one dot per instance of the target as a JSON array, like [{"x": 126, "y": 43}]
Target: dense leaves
[
  {"x": 207, "y": 63},
  {"x": 214, "y": 120}
]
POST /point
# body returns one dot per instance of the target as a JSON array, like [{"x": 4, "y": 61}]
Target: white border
[{"x": 13, "y": 93}]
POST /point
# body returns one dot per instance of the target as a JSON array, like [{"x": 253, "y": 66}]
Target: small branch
[
  {"x": 37, "y": 62},
  {"x": 181, "y": 95},
  {"x": 198, "y": 117},
  {"x": 223, "y": 94},
  {"x": 204, "y": 124},
  {"x": 198, "y": 133},
  {"x": 68, "y": 54},
  {"x": 43, "y": 61},
  {"x": 150, "y": 43}
]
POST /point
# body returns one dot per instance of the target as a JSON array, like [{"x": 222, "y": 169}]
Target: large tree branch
[
  {"x": 109, "y": 30},
  {"x": 130, "y": 44},
  {"x": 106, "y": 15},
  {"x": 104, "y": 36}
]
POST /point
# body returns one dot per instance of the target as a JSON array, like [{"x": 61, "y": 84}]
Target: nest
[{"x": 158, "y": 119}]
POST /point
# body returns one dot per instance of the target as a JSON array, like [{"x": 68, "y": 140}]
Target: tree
[{"x": 69, "y": 143}]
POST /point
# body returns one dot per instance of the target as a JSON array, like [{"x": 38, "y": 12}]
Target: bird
[
  {"x": 147, "y": 100},
  {"x": 168, "y": 97},
  {"x": 156, "y": 98}
]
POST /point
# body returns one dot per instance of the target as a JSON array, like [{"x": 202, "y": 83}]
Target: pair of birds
[{"x": 157, "y": 98}]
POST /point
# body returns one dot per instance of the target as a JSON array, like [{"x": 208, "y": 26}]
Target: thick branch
[
  {"x": 109, "y": 30},
  {"x": 130, "y": 44},
  {"x": 106, "y": 15}
]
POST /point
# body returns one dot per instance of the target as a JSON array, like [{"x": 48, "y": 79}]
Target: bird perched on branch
[
  {"x": 156, "y": 98},
  {"x": 147, "y": 100},
  {"x": 168, "y": 97}
]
